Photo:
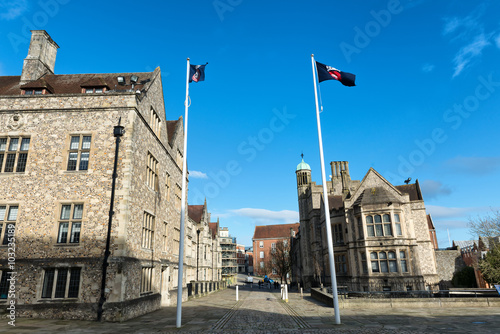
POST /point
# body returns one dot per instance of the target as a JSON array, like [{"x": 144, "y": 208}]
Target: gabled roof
[
  {"x": 411, "y": 189},
  {"x": 274, "y": 231},
  {"x": 214, "y": 227},
  {"x": 430, "y": 223},
  {"x": 72, "y": 83},
  {"x": 195, "y": 212}
]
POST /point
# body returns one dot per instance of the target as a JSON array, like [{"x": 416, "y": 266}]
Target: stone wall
[{"x": 448, "y": 262}]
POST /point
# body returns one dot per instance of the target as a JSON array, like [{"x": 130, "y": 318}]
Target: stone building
[
  {"x": 208, "y": 259},
  {"x": 381, "y": 236},
  {"x": 57, "y": 152}
]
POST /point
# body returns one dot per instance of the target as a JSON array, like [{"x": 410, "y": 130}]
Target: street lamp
[{"x": 118, "y": 132}]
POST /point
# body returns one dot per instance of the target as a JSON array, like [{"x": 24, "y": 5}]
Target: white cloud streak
[
  {"x": 12, "y": 9},
  {"x": 433, "y": 189},
  {"x": 268, "y": 216},
  {"x": 197, "y": 174},
  {"x": 470, "y": 51},
  {"x": 473, "y": 165}
]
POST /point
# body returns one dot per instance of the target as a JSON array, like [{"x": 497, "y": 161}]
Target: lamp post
[{"x": 118, "y": 132}]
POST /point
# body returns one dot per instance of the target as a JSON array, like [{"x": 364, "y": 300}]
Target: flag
[
  {"x": 326, "y": 72},
  {"x": 197, "y": 73}
]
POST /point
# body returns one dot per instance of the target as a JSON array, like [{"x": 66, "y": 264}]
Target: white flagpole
[
  {"x": 327, "y": 206},
  {"x": 183, "y": 206}
]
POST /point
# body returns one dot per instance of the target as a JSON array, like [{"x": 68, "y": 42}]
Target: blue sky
[{"x": 425, "y": 105}]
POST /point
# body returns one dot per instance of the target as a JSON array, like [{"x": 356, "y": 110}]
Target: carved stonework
[{"x": 16, "y": 122}]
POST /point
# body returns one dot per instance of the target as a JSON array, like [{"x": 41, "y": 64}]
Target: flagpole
[
  {"x": 326, "y": 205},
  {"x": 183, "y": 207}
]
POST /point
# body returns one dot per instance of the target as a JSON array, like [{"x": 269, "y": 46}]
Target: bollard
[
  {"x": 236, "y": 293},
  {"x": 282, "y": 292},
  {"x": 286, "y": 293},
  {"x": 301, "y": 293}
]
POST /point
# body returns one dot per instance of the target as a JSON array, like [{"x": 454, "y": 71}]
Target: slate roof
[
  {"x": 195, "y": 212},
  {"x": 171, "y": 129},
  {"x": 72, "y": 83},
  {"x": 412, "y": 189},
  {"x": 335, "y": 202},
  {"x": 275, "y": 231}
]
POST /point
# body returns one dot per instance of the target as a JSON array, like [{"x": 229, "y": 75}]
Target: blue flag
[
  {"x": 197, "y": 73},
  {"x": 326, "y": 72}
]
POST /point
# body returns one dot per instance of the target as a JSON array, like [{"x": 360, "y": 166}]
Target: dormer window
[
  {"x": 37, "y": 91},
  {"x": 93, "y": 90}
]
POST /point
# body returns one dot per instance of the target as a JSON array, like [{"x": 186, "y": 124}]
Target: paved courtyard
[{"x": 262, "y": 311}]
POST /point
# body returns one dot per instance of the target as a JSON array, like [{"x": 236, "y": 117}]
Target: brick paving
[{"x": 262, "y": 311}]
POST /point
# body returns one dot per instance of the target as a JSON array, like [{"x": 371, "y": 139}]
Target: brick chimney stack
[{"x": 41, "y": 57}]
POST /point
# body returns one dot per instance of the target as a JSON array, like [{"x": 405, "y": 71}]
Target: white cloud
[
  {"x": 473, "y": 165},
  {"x": 427, "y": 68},
  {"x": 197, "y": 174},
  {"x": 443, "y": 212},
  {"x": 267, "y": 216},
  {"x": 432, "y": 189},
  {"x": 470, "y": 51},
  {"x": 12, "y": 9}
]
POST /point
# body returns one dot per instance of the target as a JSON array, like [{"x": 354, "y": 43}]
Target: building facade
[
  {"x": 228, "y": 253},
  {"x": 381, "y": 235},
  {"x": 57, "y": 155},
  {"x": 265, "y": 239}
]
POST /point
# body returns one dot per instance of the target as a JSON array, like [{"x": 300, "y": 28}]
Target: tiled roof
[
  {"x": 376, "y": 195},
  {"x": 213, "y": 228},
  {"x": 72, "y": 83},
  {"x": 462, "y": 244},
  {"x": 274, "y": 231},
  {"x": 430, "y": 223},
  {"x": 195, "y": 212}
]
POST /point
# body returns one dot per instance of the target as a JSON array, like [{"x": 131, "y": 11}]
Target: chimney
[{"x": 41, "y": 57}]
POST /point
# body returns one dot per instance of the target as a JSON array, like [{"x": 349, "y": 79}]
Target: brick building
[
  {"x": 381, "y": 233},
  {"x": 264, "y": 242},
  {"x": 56, "y": 161}
]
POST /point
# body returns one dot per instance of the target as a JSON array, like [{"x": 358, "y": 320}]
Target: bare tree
[
  {"x": 281, "y": 259},
  {"x": 487, "y": 226}
]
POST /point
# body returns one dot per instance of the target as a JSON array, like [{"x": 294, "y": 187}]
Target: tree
[
  {"x": 464, "y": 278},
  {"x": 490, "y": 265},
  {"x": 487, "y": 226},
  {"x": 281, "y": 259}
]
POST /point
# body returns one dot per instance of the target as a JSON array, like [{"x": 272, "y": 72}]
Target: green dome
[{"x": 303, "y": 165}]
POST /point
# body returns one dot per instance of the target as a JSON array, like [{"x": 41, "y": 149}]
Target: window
[
  {"x": 37, "y": 91},
  {"x": 164, "y": 237},
  {"x": 148, "y": 227},
  {"x": 379, "y": 225},
  {"x": 92, "y": 90},
  {"x": 146, "y": 279},
  {"x": 14, "y": 154},
  {"x": 61, "y": 283},
  {"x": 363, "y": 263},
  {"x": 178, "y": 197},
  {"x": 338, "y": 236},
  {"x": 7, "y": 222},
  {"x": 384, "y": 262},
  {"x": 4, "y": 283},
  {"x": 177, "y": 238},
  {"x": 274, "y": 272},
  {"x": 79, "y": 151},
  {"x": 167, "y": 187},
  {"x": 261, "y": 244},
  {"x": 360, "y": 228},
  {"x": 179, "y": 159},
  {"x": 398, "y": 224},
  {"x": 402, "y": 260},
  {"x": 152, "y": 172},
  {"x": 273, "y": 246},
  {"x": 340, "y": 263},
  {"x": 261, "y": 255},
  {"x": 70, "y": 224},
  {"x": 155, "y": 122},
  {"x": 261, "y": 264}
]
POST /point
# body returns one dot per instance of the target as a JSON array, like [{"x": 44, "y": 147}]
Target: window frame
[
  {"x": 12, "y": 157},
  {"x": 79, "y": 151},
  {"x": 152, "y": 167},
  {"x": 7, "y": 224},
  {"x": 146, "y": 286},
  {"x": 71, "y": 221},
  {"x": 148, "y": 231},
  {"x": 50, "y": 286},
  {"x": 4, "y": 283},
  {"x": 377, "y": 225}
]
